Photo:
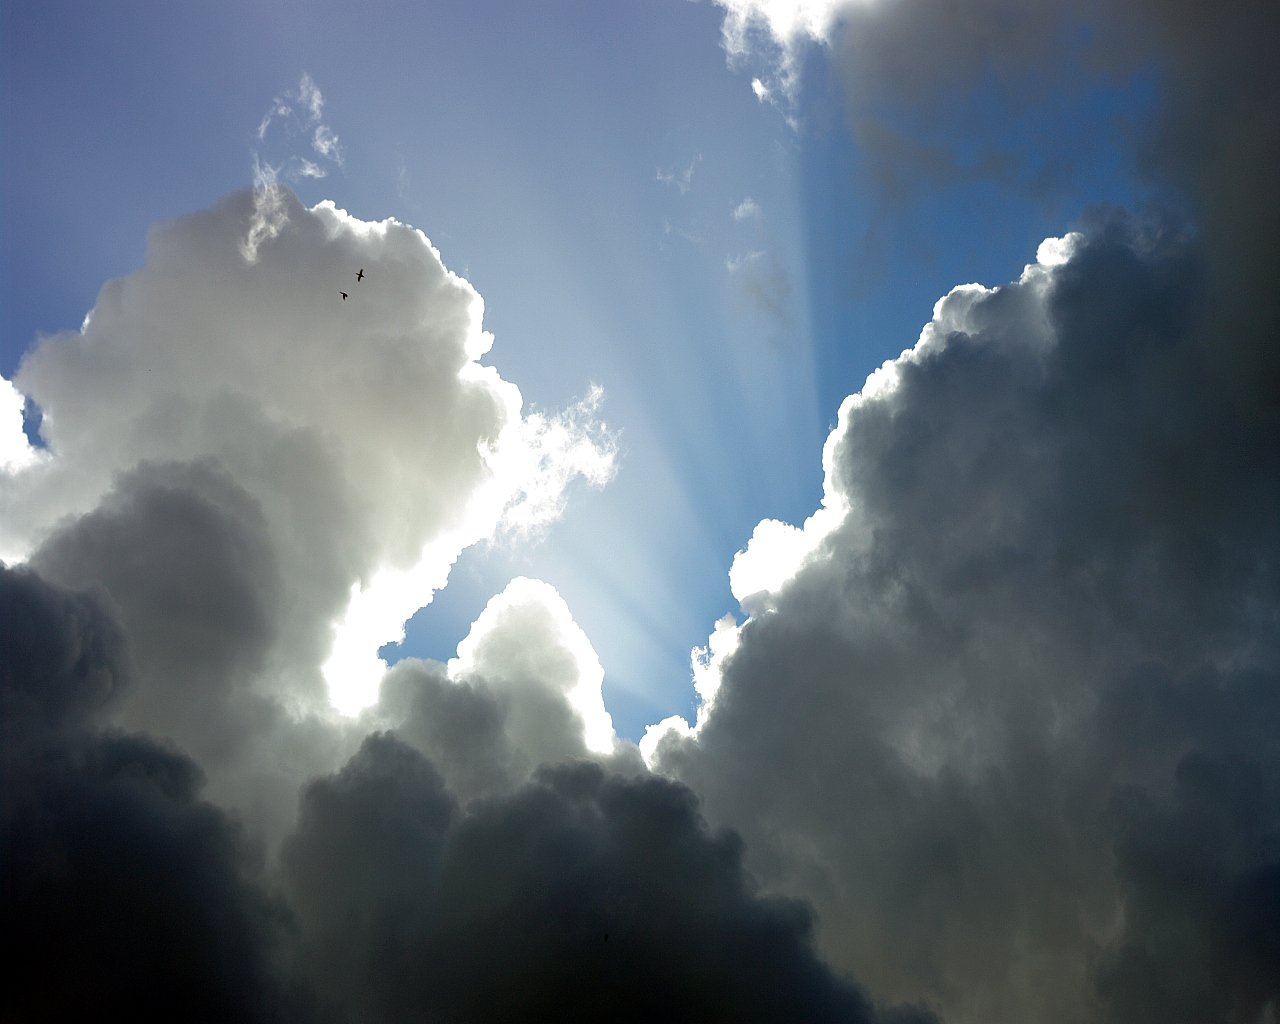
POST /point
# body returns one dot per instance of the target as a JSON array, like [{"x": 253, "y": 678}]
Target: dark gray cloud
[
  {"x": 1006, "y": 712},
  {"x": 124, "y": 894},
  {"x": 583, "y": 895},
  {"x": 1011, "y": 725},
  {"x": 184, "y": 556},
  {"x": 577, "y": 893},
  {"x": 64, "y": 658},
  {"x": 487, "y": 738}
]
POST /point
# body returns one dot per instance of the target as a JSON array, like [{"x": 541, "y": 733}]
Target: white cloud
[
  {"x": 325, "y": 142},
  {"x": 681, "y": 180},
  {"x": 776, "y": 31},
  {"x": 298, "y": 113},
  {"x": 554, "y": 449},
  {"x": 268, "y": 211},
  {"x": 309, "y": 95},
  {"x": 16, "y": 451},
  {"x": 748, "y": 209},
  {"x": 374, "y": 444},
  {"x": 525, "y": 642},
  {"x": 301, "y": 112}
]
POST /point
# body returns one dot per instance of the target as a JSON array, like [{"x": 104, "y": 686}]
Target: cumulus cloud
[
  {"x": 233, "y": 453},
  {"x": 582, "y": 894},
  {"x": 266, "y": 481},
  {"x": 572, "y": 891},
  {"x": 16, "y": 449},
  {"x": 1005, "y": 710}
]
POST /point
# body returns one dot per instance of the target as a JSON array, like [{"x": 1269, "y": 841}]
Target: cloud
[
  {"x": 64, "y": 660},
  {"x": 572, "y": 890},
  {"x": 16, "y": 450},
  {"x": 300, "y": 112},
  {"x": 581, "y": 894},
  {"x": 1005, "y": 710},
  {"x": 748, "y": 209},
  {"x": 910, "y": 73},
  {"x": 116, "y": 873},
  {"x": 682, "y": 181},
  {"x": 524, "y": 690},
  {"x": 781, "y": 28},
  {"x": 267, "y": 480}
]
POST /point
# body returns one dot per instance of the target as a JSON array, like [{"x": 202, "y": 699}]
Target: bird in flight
[
  {"x": 344, "y": 296},
  {"x": 360, "y": 276}
]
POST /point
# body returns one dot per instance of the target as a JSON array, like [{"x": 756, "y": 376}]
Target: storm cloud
[
  {"x": 124, "y": 892},
  {"x": 1007, "y": 713},
  {"x": 583, "y": 894},
  {"x": 577, "y": 892}
]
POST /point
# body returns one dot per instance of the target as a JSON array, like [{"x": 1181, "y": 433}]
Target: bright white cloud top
[
  {"x": 364, "y": 432},
  {"x": 780, "y": 28},
  {"x": 16, "y": 451}
]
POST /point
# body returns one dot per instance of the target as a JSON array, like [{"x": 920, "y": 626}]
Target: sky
[{"x": 785, "y": 527}]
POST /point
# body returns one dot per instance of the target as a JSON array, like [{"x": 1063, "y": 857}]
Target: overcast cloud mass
[{"x": 994, "y": 735}]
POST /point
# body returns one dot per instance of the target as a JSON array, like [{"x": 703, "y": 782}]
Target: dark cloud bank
[
  {"x": 1006, "y": 746},
  {"x": 581, "y": 893}
]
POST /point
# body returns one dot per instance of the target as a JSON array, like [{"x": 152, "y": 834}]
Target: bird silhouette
[
  {"x": 344, "y": 296},
  {"x": 360, "y": 276}
]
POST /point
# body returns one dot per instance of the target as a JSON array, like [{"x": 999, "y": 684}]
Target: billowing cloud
[
  {"x": 998, "y": 735},
  {"x": 572, "y": 891},
  {"x": 583, "y": 894},
  {"x": 117, "y": 874},
  {"x": 16, "y": 450},
  {"x": 1006, "y": 709},
  {"x": 267, "y": 480},
  {"x": 524, "y": 689}
]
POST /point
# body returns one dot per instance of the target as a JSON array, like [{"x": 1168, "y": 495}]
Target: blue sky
[{"x": 581, "y": 165}]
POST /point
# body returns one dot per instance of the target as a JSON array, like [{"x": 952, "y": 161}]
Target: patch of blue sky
[{"x": 878, "y": 255}]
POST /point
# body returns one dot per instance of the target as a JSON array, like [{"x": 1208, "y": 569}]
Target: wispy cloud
[
  {"x": 681, "y": 180},
  {"x": 776, "y": 32},
  {"x": 300, "y": 112},
  {"x": 293, "y": 115}
]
